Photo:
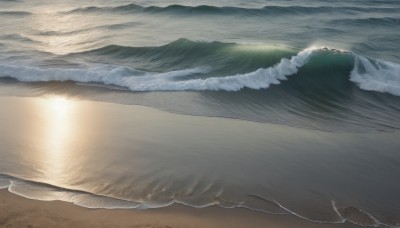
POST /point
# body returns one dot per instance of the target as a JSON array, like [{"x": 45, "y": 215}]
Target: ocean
[{"x": 310, "y": 88}]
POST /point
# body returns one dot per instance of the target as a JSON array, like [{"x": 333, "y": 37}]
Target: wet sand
[
  {"x": 16, "y": 211},
  {"x": 65, "y": 145}
]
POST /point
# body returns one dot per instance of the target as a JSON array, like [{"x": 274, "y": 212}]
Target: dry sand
[{"x": 16, "y": 211}]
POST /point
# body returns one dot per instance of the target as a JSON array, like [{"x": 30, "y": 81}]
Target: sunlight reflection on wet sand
[{"x": 58, "y": 127}]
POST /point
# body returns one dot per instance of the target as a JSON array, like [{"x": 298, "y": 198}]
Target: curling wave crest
[{"x": 368, "y": 74}]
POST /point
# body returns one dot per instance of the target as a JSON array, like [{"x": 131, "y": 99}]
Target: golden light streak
[{"x": 58, "y": 129}]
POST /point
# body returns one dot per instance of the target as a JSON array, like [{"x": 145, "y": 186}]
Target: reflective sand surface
[{"x": 136, "y": 156}]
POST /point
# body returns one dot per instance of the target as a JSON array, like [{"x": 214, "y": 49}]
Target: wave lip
[
  {"x": 368, "y": 74},
  {"x": 122, "y": 76},
  {"x": 317, "y": 88}
]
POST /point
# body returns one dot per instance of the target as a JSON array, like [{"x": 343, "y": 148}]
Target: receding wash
[{"x": 279, "y": 106}]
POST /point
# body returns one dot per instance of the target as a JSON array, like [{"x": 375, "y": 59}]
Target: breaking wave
[
  {"x": 317, "y": 88},
  {"x": 369, "y": 74}
]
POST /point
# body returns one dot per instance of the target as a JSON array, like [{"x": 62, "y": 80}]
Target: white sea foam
[
  {"x": 44, "y": 192},
  {"x": 337, "y": 211},
  {"x": 47, "y": 193},
  {"x": 376, "y": 75},
  {"x": 140, "y": 81},
  {"x": 368, "y": 74}
]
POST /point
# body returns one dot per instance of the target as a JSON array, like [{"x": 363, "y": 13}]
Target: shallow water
[
  {"x": 102, "y": 155},
  {"x": 327, "y": 66}
]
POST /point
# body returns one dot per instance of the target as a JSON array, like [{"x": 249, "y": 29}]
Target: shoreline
[
  {"x": 150, "y": 141},
  {"x": 16, "y": 211}
]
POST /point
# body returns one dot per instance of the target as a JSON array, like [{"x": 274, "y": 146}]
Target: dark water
[{"x": 324, "y": 65}]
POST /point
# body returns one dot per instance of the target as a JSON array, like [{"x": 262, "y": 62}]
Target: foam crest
[
  {"x": 368, "y": 74},
  {"x": 136, "y": 80},
  {"x": 108, "y": 75},
  {"x": 376, "y": 75},
  {"x": 259, "y": 79}
]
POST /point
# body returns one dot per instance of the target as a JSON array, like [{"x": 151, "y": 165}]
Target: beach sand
[
  {"x": 49, "y": 140},
  {"x": 16, "y": 211}
]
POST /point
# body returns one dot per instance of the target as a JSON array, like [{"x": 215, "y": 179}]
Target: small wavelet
[
  {"x": 18, "y": 37},
  {"x": 355, "y": 216},
  {"x": 45, "y": 192},
  {"x": 15, "y": 13},
  {"x": 378, "y": 22},
  {"x": 228, "y": 10}
]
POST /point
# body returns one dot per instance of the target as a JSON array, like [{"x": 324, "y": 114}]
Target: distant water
[
  {"x": 328, "y": 65},
  {"x": 324, "y": 65}
]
